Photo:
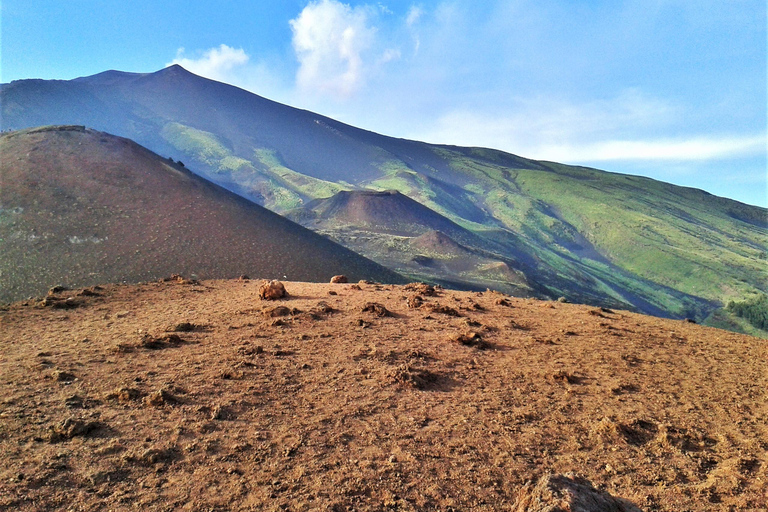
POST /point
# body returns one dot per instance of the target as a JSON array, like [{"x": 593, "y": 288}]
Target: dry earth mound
[
  {"x": 79, "y": 207},
  {"x": 381, "y": 212},
  {"x": 198, "y": 395}
]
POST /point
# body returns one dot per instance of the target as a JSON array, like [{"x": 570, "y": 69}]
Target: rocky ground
[{"x": 180, "y": 395}]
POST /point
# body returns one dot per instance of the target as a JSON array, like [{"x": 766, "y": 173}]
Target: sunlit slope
[{"x": 683, "y": 238}]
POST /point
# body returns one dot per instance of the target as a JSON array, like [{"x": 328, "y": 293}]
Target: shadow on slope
[{"x": 79, "y": 207}]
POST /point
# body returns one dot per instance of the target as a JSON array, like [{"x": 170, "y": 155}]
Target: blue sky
[{"x": 671, "y": 89}]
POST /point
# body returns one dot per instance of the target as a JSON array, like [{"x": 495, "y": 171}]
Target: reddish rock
[
  {"x": 339, "y": 279},
  {"x": 415, "y": 301},
  {"x": 376, "y": 308},
  {"x": 272, "y": 290},
  {"x": 424, "y": 289},
  {"x": 278, "y": 311},
  {"x": 472, "y": 339}
]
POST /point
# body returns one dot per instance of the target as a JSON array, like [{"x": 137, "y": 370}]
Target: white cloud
[
  {"x": 235, "y": 67},
  {"x": 623, "y": 128},
  {"x": 411, "y": 20},
  {"x": 331, "y": 40},
  {"x": 215, "y": 63},
  {"x": 390, "y": 54},
  {"x": 414, "y": 14},
  {"x": 684, "y": 149},
  {"x": 524, "y": 124}
]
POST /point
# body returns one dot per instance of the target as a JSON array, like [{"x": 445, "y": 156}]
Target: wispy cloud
[
  {"x": 616, "y": 129},
  {"x": 684, "y": 149},
  {"x": 215, "y": 63},
  {"x": 414, "y": 14},
  {"x": 523, "y": 124}
]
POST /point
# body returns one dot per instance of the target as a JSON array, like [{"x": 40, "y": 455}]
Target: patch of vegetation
[
  {"x": 204, "y": 146},
  {"x": 312, "y": 188},
  {"x": 724, "y": 319},
  {"x": 653, "y": 229},
  {"x": 754, "y": 310},
  {"x": 253, "y": 179}
]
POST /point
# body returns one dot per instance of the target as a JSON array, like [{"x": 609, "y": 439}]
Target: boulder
[
  {"x": 339, "y": 279},
  {"x": 424, "y": 289},
  {"x": 272, "y": 290}
]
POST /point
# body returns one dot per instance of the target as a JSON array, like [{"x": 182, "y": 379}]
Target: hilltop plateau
[{"x": 198, "y": 395}]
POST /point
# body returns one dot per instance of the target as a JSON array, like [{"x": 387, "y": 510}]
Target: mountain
[
  {"x": 387, "y": 212},
  {"x": 393, "y": 229},
  {"x": 585, "y": 234},
  {"x": 80, "y": 207}
]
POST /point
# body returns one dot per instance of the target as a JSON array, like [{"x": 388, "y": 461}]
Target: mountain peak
[{"x": 174, "y": 70}]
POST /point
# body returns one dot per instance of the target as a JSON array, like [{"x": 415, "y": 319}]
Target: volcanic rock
[{"x": 272, "y": 290}]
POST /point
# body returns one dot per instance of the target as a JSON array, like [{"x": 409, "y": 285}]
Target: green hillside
[{"x": 678, "y": 251}]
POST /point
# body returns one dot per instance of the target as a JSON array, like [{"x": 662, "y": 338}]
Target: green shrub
[{"x": 754, "y": 310}]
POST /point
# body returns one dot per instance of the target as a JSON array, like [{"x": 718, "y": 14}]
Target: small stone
[
  {"x": 278, "y": 311},
  {"x": 415, "y": 301},
  {"x": 473, "y": 339},
  {"x": 376, "y": 308},
  {"x": 71, "y": 427},
  {"x": 57, "y": 289},
  {"x": 159, "y": 398},
  {"x": 126, "y": 395},
  {"x": 424, "y": 289},
  {"x": 181, "y": 327},
  {"x": 62, "y": 376}
]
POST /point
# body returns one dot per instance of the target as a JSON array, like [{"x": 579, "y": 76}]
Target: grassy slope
[
  {"x": 665, "y": 234},
  {"x": 683, "y": 238},
  {"x": 263, "y": 177}
]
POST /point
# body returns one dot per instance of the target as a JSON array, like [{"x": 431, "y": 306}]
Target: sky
[{"x": 670, "y": 89}]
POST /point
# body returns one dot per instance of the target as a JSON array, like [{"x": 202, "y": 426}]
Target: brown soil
[{"x": 329, "y": 407}]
